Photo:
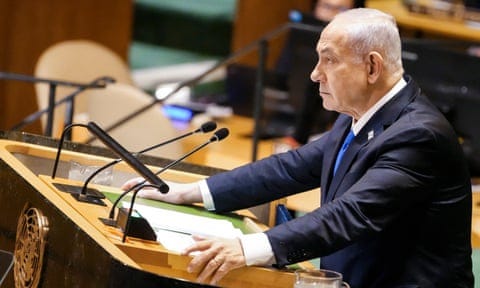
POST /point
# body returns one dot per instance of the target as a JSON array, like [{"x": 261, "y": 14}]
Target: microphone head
[
  {"x": 220, "y": 134},
  {"x": 163, "y": 188},
  {"x": 208, "y": 127}
]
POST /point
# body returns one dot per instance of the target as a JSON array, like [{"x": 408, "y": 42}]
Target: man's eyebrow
[{"x": 325, "y": 50}]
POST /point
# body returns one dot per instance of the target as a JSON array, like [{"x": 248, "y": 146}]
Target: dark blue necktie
[{"x": 346, "y": 142}]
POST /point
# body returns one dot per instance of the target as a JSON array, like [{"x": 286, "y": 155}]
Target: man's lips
[{"x": 323, "y": 93}]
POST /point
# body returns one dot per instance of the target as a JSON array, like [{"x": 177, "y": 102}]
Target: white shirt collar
[{"x": 357, "y": 126}]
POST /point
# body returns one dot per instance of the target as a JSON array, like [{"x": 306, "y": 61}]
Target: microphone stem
[
  {"x": 143, "y": 183},
  {"x": 112, "y": 210},
  {"x": 127, "y": 225},
  {"x": 89, "y": 179},
  {"x": 125, "y": 155},
  {"x": 166, "y": 142},
  {"x": 85, "y": 184},
  {"x": 183, "y": 157},
  {"x": 132, "y": 202},
  {"x": 60, "y": 145},
  {"x": 137, "y": 188}
]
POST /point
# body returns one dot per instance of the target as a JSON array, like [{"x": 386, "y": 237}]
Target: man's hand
[
  {"x": 179, "y": 193},
  {"x": 216, "y": 258}
]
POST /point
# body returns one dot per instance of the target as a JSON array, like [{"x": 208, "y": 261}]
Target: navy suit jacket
[{"x": 397, "y": 213}]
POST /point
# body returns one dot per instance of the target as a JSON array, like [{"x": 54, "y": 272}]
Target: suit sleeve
[{"x": 269, "y": 179}]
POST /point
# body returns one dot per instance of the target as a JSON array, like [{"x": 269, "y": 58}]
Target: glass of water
[
  {"x": 81, "y": 172},
  {"x": 318, "y": 278}
]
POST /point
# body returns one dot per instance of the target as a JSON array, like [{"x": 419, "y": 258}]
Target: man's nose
[{"x": 316, "y": 74}]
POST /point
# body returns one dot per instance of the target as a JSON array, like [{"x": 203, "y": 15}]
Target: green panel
[
  {"x": 476, "y": 266},
  {"x": 217, "y": 9},
  {"x": 144, "y": 55},
  {"x": 235, "y": 219},
  {"x": 203, "y": 26}
]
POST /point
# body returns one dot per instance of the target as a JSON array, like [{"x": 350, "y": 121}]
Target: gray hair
[{"x": 372, "y": 30}]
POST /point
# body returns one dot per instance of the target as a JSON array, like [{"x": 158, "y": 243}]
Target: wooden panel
[
  {"x": 426, "y": 25},
  {"x": 28, "y": 27},
  {"x": 98, "y": 249},
  {"x": 254, "y": 18}
]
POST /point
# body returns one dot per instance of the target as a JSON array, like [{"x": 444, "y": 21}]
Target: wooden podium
[{"x": 59, "y": 242}]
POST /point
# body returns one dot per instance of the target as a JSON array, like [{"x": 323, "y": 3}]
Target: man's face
[{"x": 342, "y": 75}]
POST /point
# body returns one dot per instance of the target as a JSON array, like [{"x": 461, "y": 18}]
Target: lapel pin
[{"x": 370, "y": 134}]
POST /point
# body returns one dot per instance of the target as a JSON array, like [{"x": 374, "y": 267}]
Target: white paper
[
  {"x": 174, "y": 229},
  {"x": 174, "y": 241}
]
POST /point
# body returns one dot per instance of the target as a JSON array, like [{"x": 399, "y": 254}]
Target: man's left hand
[{"x": 216, "y": 258}]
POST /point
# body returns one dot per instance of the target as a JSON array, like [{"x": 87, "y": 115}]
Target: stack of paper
[{"x": 174, "y": 229}]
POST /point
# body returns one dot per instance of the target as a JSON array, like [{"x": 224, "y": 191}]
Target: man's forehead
[
  {"x": 330, "y": 38},
  {"x": 338, "y": 23}
]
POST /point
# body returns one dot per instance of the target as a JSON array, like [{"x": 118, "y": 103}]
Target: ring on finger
[{"x": 217, "y": 261}]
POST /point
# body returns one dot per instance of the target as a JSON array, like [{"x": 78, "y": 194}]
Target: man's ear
[{"x": 374, "y": 66}]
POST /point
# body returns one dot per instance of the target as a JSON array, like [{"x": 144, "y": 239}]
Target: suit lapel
[
  {"x": 335, "y": 142},
  {"x": 349, "y": 157},
  {"x": 374, "y": 127}
]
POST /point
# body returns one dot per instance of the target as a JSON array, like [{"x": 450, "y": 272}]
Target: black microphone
[
  {"x": 204, "y": 128},
  {"x": 95, "y": 196},
  {"x": 219, "y": 135},
  {"x": 127, "y": 157}
]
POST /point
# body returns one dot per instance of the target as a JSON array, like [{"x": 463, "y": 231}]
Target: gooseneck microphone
[
  {"x": 204, "y": 128},
  {"x": 127, "y": 222},
  {"x": 117, "y": 148},
  {"x": 219, "y": 135},
  {"x": 127, "y": 156}
]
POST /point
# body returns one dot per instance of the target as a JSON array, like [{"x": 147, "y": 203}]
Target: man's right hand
[{"x": 179, "y": 193}]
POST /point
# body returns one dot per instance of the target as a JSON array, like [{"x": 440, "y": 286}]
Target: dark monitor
[
  {"x": 472, "y": 4},
  {"x": 278, "y": 112},
  {"x": 240, "y": 84},
  {"x": 448, "y": 76},
  {"x": 285, "y": 87}
]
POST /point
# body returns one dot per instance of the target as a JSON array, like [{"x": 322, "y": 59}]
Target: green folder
[{"x": 235, "y": 219}]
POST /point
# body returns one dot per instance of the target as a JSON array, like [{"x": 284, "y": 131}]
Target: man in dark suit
[{"x": 396, "y": 193}]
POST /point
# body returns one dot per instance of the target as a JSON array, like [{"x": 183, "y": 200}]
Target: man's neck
[{"x": 357, "y": 124}]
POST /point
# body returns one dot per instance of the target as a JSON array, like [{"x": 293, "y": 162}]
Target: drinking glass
[
  {"x": 81, "y": 172},
  {"x": 318, "y": 278}
]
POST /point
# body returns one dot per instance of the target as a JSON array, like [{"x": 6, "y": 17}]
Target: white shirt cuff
[
  {"x": 257, "y": 249},
  {"x": 206, "y": 195}
]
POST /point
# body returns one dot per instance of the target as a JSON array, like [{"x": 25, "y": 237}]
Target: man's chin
[{"x": 327, "y": 107}]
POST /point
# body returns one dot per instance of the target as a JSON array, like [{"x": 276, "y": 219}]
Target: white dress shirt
[{"x": 256, "y": 247}]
